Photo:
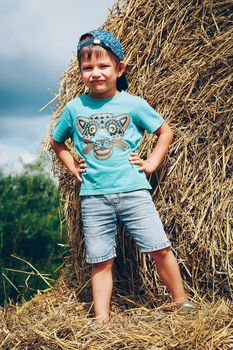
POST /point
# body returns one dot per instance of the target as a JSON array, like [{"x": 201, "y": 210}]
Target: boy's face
[{"x": 100, "y": 72}]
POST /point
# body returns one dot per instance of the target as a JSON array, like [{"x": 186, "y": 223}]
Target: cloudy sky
[{"x": 38, "y": 39}]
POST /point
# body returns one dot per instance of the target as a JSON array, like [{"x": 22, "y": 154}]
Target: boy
[{"x": 106, "y": 126}]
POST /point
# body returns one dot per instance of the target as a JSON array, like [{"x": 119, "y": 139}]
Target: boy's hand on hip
[
  {"x": 80, "y": 167},
  {"x": 144, "y": 165}
]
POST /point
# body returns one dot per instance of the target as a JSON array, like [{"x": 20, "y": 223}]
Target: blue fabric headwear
[
  {"x": 103, "y": 38},
  {"x": 108, "y": 41}
]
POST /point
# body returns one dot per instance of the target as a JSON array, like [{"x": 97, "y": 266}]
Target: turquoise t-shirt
[{"x": 104, "y": 132}]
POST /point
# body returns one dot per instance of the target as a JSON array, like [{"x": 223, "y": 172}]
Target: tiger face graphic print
[{"x": 102, "y": 132}]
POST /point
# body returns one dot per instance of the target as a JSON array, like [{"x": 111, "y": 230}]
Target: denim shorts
[{"x": 135, "y": 210}]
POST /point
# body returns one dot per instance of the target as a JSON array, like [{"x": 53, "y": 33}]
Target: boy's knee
[
  {"x": 160, "y": 254},
  {"x": 103, "y": 265}
]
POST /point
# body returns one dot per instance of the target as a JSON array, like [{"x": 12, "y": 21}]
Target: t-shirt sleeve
[
  {"x": 147, "y": 118},
  {"x": 64, "y": 127}
]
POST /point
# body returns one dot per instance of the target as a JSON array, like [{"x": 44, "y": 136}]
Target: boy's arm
[
  {"x": 149, "y": 165},
  {"x": 63, "y": 153}
]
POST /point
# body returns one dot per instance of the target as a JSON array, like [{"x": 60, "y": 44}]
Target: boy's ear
[{"x": 121, "y": 68}]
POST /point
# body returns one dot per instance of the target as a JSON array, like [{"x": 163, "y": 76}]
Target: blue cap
[
  {"x": 108, "y": 41},
  {"x": 103, "y": 38}
]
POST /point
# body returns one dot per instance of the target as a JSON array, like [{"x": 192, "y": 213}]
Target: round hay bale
[{"x": 178, "y": 55}]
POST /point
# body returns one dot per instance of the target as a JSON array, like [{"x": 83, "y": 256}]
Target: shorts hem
[
  {"x": 102, "y": 259},
  {"x": 157, "y": 247}
]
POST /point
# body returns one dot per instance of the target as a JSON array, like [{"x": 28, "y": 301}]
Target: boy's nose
[{"x": 95, "y": 73}]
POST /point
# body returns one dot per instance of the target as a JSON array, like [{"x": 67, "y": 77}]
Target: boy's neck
[{"x": 104, "y": 95}]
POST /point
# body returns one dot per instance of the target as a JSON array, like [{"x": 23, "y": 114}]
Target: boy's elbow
[
  {"x": 51, "y": 141},
  {"x": 171, "y": 135}
]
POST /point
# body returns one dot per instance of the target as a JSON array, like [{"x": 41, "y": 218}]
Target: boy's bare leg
[
  {"x": 101, "y": 278},
  {"x": 169, "y": 273}
]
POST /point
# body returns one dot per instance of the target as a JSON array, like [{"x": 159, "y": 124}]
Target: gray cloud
[
  {"x": 23, "y": 132},
  {"x": 24, "y": 87}
]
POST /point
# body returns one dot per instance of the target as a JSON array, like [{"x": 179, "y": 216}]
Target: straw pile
[
  {"x": 178, "y": 57},
  {"x": 56, "y": 321}
]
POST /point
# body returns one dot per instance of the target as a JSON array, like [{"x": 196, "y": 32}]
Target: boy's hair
[
  {"x": 106, "y": 40},
  {"x": 85, "y": 53}
]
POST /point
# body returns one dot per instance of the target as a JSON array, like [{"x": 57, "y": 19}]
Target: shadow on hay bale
[{"x": 178, "y": 57}]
